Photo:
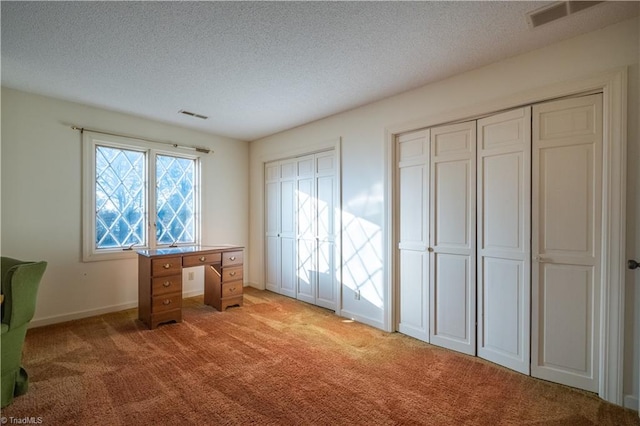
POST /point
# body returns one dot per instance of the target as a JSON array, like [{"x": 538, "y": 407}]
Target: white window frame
[{"x": 90, "y": 141}]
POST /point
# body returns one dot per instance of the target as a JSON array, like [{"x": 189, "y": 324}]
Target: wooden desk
[{"x": 160, "y": 280}]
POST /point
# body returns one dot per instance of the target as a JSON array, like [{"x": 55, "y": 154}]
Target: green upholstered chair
[{"x": 20, "y": 281}]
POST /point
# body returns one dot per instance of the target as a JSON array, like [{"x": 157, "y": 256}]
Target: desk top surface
[{"x": 168, "y": 251}]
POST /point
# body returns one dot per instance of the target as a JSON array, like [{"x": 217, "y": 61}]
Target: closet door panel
[
  {"x": 567, "y": 230},
  {"x": 288, "y": 264},
  {"x": 325, "y": 212},
  {"x": 502, "y": 303},
  {"x": 452, "y": 301},
  {"x": 504, "y": 218},
  {"x": 412, "y": 153},
  {"x": 271, "y": 208},
  {"x": 503, "y": 192},
  {"x": 288, "y": 208},
  {"x": 413, "y": 207},
  {"x": 306, "y": 276},
  {"x": 326, "y": 276},
  {"x": 452, "y": 204},
  {"x": 566, "y": 243},
  {"x": 288, "y": 267},
  {"x": 568, "y": 293},
  {"x": 413, "y": 294},
  {"x": 452, "y": 237},
  {"x": 305, "y": 197},
  {"x": 273, "y": 264},
  {"x": 272, "y": 243},
  {"x": 306, "y": 241},
  {"x": 326, "y": 187}
]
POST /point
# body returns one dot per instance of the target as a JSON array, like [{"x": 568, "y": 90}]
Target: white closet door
[
  {"x": 326, "y": 186},
  {"x": 272, "y": 226},
  {"x": 301, "y": 199},
  {"x": 504, "y": 257},
  {"x": 280, "y": 261},
  {"x": 567, "y": 202},
  {"x": 453, "y": 237},
  {"x": 316, "y": 193},
  {"x": 306, "y": 224},
  {"x": 287, "y": 225},
  {"x": 412, "y": 152}
]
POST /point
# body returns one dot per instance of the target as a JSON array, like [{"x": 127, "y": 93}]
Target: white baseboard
[
  {"x": 255, "y": 285},
  {"x": 363, "y": 319},
  {"x": 192, "y": 293},
  {"x": 56, "y": 319},
  {"x": 631, "y": 401}
]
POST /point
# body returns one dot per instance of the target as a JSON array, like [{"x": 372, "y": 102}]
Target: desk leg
[{"x": 212, "y": 285}]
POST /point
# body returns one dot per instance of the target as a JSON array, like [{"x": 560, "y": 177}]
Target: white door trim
[{"x": 613, "y": 85}]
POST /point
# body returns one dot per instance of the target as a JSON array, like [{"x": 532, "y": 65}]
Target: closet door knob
[
  {"x": 430, "y": 249},
  {"x": 633, "y": 264}
]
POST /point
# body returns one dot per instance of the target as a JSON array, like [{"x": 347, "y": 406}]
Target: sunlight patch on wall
[{"x": 362, "y": 258}]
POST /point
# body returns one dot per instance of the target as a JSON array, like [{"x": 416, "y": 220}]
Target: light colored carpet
[{"x": 277, "y": 361}]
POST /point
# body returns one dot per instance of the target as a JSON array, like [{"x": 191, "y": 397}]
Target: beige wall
[
  {"x": 364, "y": 159},
  {"x": 42, "y": 200}
]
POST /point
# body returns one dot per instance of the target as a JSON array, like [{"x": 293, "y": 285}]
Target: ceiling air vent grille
[
  {"x": 193, "y": 114},
  {"x": 557, "y": 10},
  {"x": 577, "y": 6}
]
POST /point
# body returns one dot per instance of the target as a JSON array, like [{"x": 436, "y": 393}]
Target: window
[
  {"x": 120, "y": 197},
  {"x": 136, "y": 196},
  {"x": 175, "y": 207}
]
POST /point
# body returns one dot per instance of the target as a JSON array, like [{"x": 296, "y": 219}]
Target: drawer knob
[
  {"x": 232, "y": 289},
  {"x": 232, "y": 258},
  {"x": 166, "y": 266},
  {"x": 232, "y": 274},
  {"x": 166, "y": 283},
  {"x": 166, "y": 302},
  {"x": 202, "y": 258}
]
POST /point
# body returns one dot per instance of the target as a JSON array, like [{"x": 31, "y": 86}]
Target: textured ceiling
[{"x": 256, "y": 68}]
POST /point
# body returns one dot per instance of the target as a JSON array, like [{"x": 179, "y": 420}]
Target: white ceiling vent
[{"x": 557, "y": 10}]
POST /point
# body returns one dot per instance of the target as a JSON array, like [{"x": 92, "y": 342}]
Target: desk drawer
[
  {"x": 232, "y": 289},
  {"x": 169, "y": 284},
  {"x": 231, "y": 258},
  {"x": 232, "y": 274},
  {"x": 166, "y": 266},
  {"x": 201, "y": 259},
  {"x": 166, "y": 302}
]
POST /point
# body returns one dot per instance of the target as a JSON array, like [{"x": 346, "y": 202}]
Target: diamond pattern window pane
[
  {"x": 120, "y": 197},
  {"x": 175, "y": 200}
]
